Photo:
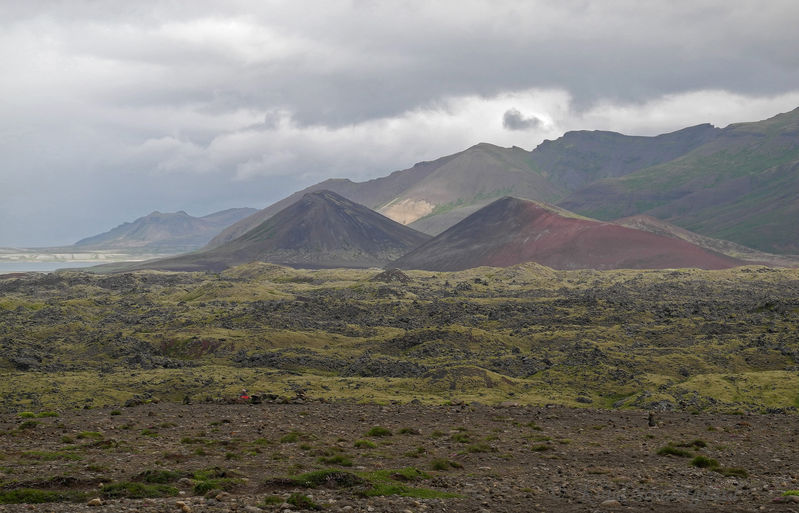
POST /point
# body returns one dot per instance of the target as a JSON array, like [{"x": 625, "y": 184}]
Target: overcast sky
[{"x": 109, "y": 110}]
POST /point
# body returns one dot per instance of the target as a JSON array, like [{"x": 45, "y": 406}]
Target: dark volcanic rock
[
  {"x": 369, "y": 366},
  {"x": 392, "y": 275}
]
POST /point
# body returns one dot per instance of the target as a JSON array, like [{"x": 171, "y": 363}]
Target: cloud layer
[{"x": 119, "y": 109}]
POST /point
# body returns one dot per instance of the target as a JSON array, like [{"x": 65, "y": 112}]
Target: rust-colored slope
[{"x": 511, "y": 231}]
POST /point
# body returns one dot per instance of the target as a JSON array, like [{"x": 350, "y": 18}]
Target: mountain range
[
  {"x": 738, "y": 183},
  {"x": 697, "y": 197},
  {"x": 324, "y": 229}
]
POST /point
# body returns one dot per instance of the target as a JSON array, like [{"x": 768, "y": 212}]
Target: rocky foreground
[{"x": 351, "y": 457}]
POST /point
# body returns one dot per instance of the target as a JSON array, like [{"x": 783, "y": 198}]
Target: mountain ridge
[
  {"x": 433, "y": 195},
  {"x": 164, "y": 231},
  {"x": 741, "y": 187}
]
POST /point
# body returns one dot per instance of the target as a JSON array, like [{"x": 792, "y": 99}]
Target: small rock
[
  {"x": 792, "y": 498},
  {"x": 185, "y": 508},
  {"x": 252, "y": 509},
  {"x": 96, "y": 502},
  {"x": 610, "y": 504}
]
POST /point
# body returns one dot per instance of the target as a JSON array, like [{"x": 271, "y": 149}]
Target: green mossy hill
[
  {"x": 741, "y": 186},
  {"x": 674, "y": 339}
]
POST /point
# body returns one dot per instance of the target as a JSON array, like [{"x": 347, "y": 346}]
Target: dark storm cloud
[
  {"x": 209, "y": 96},
  {"x": 514, "y": 120}
]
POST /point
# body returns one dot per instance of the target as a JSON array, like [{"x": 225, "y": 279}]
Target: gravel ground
[{"x": 498, "y": 459}]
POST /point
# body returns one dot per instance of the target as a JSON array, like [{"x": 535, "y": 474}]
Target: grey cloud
[
  {"x": 514, "y": 120},
  {"x": 345, "y": 63},
  {"x": 92, "y": 80}
]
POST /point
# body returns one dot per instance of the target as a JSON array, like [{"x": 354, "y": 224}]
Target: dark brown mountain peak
[{"x": 321, "y": 229}]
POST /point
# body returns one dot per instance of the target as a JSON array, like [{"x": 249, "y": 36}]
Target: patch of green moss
[
  {"x": 36, "y": 496},
  {"x": 136, "y": 490}
]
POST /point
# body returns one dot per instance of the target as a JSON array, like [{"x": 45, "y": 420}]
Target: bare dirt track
[{"x": 237, "y": 457}]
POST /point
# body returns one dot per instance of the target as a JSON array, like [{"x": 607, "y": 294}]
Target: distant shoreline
[
  {"x": 28, "y": 266},
  {"x": 31, "y": 260}
]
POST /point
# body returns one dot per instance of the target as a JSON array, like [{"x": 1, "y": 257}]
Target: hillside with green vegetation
[
  {"x": 742, "y": 186},
  {"x": 673, "y": 339}
]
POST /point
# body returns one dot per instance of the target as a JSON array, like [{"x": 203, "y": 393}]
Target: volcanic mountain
[
  {"x": 510, "y": 231},
  {"x": 165, "y": 232},
  {"x": 322, "y": 229}
]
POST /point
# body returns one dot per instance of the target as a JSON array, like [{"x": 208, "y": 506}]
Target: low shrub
[
  {"x": 444, "y": 464},
  {"x": 271, "y": 500},
  {"x": 696, "y": 444},
  {"x": 225, "y": 484},
  {"x": 379, "y": 431},
  {"x": 480, "y": 448},
  {"x": 670, "y": 450},
  {"x": 327, "y": 478},
  {"x": 462, "y": 438},
  {"x": 94, "y": 435},
  {"x": 704, "y": 462},
  {"x": 159, "y": 476},
  {"x": 302, "y": 501},
  {"x": 290, "y": 438},
  {"x": 732, "y": 472}
]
